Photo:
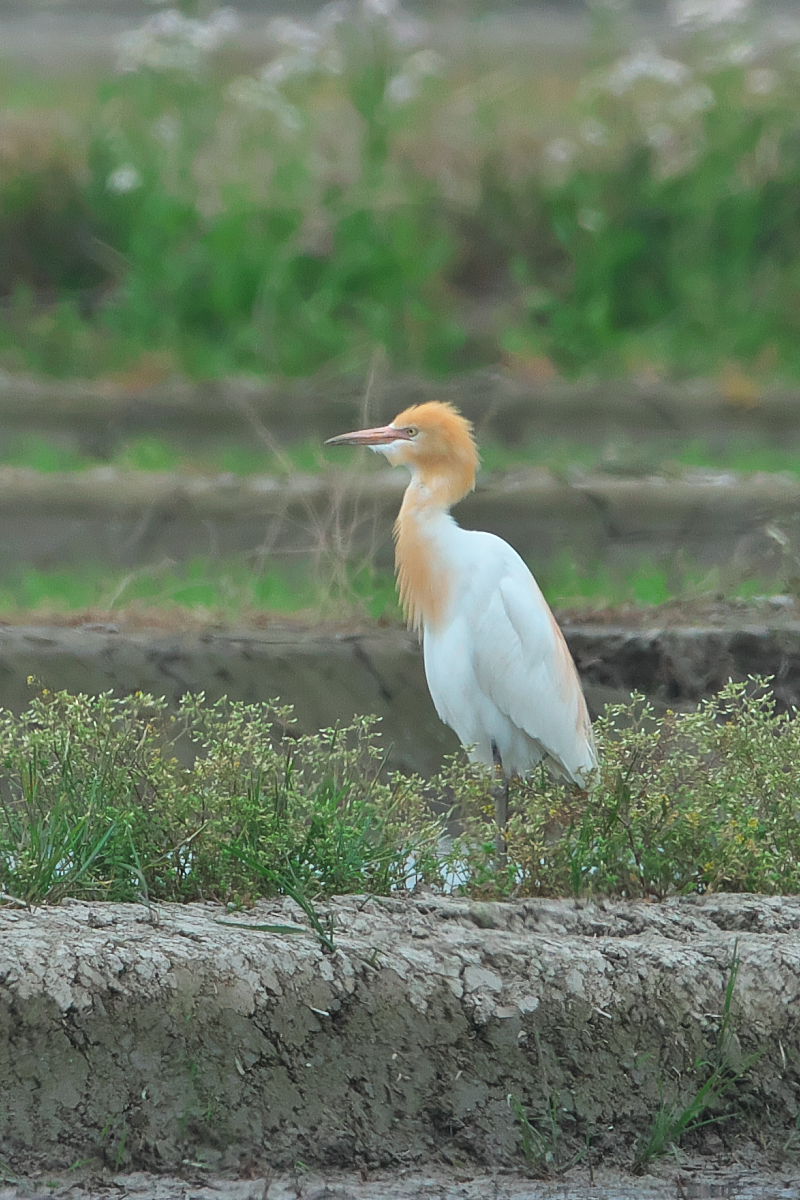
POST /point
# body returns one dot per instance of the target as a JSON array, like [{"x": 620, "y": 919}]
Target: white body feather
[{"x": 497, "y": 666}]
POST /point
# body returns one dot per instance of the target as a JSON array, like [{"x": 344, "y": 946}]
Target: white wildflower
[
  {"x": 591, "y": 219},
  {"x": 401, "y": 28},
  {"x": 168, "y": 23},
  {"x": 402, "y": 89},
  {"x": 287, "y": 68},
  {"x": 691, "y": 101},
  {"x": 594, "y": 132},
  {"x": 379, "y": 8},
  {"x": 761, "y": 81},
  {"x": 425, "y": 62},
  {"x": 560, "y": 152},
  {"x": 227, "y": 21},
  {"x": 736, "y": 54},
  {"x": 659, "y": 136},
  {"x": 258, "y": 96},
  {"x": 646, "y": 63},
  {"x": 407, "y": 84},
  {"x": 123, "y": 180},
  {"x": 293, "y": 35},
  {"x": 700, "y": 15},
  {"x": 169, "y": 40},
  {"x": 167, "y": 129},
  {"x": 332, "y": 15}
]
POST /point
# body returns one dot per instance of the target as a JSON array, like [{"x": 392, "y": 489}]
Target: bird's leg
[{"x": 501, "y": 789}]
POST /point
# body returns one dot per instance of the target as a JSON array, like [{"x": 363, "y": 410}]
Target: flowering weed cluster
[
  {"x": 368, "y": 188},
  {"x": 126, "y": 799},
  {"x": 123, "y": 799},
  {"x": 685, "y": 802}
]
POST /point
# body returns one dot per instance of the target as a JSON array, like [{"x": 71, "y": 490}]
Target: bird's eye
[{"x": 412, "y": 431}]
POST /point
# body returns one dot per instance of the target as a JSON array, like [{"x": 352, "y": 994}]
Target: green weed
[
  {"x": 542, "y": 1137},
  {"x": 715, "y": 1079},
  {"x": 121, "y": 798},
  {"x": 207, "y": 590},
  {"x": 539, "y": 1139},
  {"x": 211, "y": 590},
  {"x": 97, "y": 800},
  {"x": 560, "y": 456},
  {"x": 685, "y": 802}
]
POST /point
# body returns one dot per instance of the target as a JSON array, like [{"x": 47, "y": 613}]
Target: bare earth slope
[{"x": 153, "y": 1038}]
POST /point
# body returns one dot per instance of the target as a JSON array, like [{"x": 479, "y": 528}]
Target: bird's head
[{"x": 432, "y": 439}]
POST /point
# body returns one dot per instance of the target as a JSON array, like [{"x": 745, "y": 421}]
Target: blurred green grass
[
  {"x": 627, "y": 210},
  {"x": 218, "y": 590},
  {"x": 561, "y": 456}
]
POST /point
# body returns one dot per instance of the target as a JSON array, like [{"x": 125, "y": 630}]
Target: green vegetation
[
  {"x": 542, "y": 1140},
  {"x": 559, "y": 455},
  {"x": 359, "y": 193},
  {"x": 123, "y": 799},
  {"x": 706, "y": 1095},
  {"x": 697, "y": 801},
  {"x": 206, "y": 589},
  {"x": 98, "y": 801},
  {"x": 212, "y": 589}
]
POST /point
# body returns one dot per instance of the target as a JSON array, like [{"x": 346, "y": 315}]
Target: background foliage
[{"x": 628, "y": 208}]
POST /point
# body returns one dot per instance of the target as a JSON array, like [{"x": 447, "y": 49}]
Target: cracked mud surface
[
  {"x": 141, "y": 1039},
  {"x": 692, "y": 1181}
]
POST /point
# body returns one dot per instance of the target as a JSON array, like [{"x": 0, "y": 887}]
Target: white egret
[{"x": 498, "y": 668}]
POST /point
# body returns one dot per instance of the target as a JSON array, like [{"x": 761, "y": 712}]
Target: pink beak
[{"x": 381, "y": 436}]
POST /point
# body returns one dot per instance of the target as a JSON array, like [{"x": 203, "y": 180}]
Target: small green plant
[
  {"x": 715, "y": 1078},
  {"x": 122, "y": 798},
  {"x": 119, "y": 798},
  {"x": 205, "y": 590},
  {"x": 284, "y": 880},
  {"x": 542, "y": 1140},
  {"x": 683, "y": 802},
  {"x": 210, "y": 589}
]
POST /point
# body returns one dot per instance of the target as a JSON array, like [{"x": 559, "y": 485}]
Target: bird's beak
[{"x": 381, "y": 436}]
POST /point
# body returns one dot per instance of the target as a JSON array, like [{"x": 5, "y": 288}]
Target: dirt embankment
[
  {"x": 125, "y": 519},
  {"x": 331, "y": 675},
  {"x": 153, "y": 1038}
]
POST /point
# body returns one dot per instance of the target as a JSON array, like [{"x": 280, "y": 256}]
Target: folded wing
[{"x": 523, "y": 663}]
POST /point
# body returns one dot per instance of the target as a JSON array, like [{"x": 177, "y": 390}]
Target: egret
[{"x": 498, "y": 668}]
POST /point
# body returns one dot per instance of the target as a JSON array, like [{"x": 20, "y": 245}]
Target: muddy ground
[
  {"x": 742, "y": 526},
  {"x": 692, "y": 1180},
  {"x": 185, "y": 1040},
  {"x": 675, "y": 655}
]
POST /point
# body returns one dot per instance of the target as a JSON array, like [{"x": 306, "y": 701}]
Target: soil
[
  {"x": 675, "y": 655},
  {"x": 184, "y": 1039},
  {"x": 743, "y": 526},
  {"x": 693, "y": 1180}
]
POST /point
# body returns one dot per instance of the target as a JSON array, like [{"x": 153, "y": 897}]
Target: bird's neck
[{"x": 423, "y": 531}]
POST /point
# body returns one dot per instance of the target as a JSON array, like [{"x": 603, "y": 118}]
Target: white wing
[{"x": 523, "y": 664}]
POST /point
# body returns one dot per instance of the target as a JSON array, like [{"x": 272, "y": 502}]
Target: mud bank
[
  {"x": 333, "y": 675},
  {"x": 695, "y": 1179},
  {"x": 97, "y": 417},
  {"x": 153, "y": 1038},
  {"x": 125, "y": 519}
]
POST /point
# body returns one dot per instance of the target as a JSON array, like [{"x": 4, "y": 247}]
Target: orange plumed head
[
  {"x": 436, "y": 443},
  {"x": 433, "y": 440}
]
